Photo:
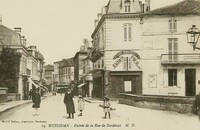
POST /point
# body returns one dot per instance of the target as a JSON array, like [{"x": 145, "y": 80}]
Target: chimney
[
  {"x": 18, "y": 30},
  {"x": 103, "y": 10},
  {"x": 82, "y": 48},
  {"x": 95, "y": 23},
  {"x": 99, "y": 15},
  {"x": 22, "y": 40},
  {"x": 0, "y": 20},
  {"x": 86, "y": 43},
  {"x": 147, "y": 5}
]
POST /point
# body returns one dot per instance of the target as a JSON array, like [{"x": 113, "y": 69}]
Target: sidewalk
[
  {"x": 10, "y": 105},
  {"x": 6, "y": 106}
]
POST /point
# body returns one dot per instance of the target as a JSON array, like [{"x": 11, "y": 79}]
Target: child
[
  {"x": 80, "y": 104},
  {"x": 106, "y": 106}
]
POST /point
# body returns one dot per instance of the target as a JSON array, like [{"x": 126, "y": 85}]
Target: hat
[{"x": 106, "y": 98}]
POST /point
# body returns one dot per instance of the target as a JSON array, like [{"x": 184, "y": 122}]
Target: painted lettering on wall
[
  {"x": 136, "y": 61},
  {"x": 126, "y": 52},
  {"x": 118, "y": 61},
  {"x": 134, "y": 58}
]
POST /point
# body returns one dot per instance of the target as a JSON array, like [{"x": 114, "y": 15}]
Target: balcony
[
  {"x": 180, "y": 59},
  {"x": 26, "y": 73},
  {"x": 96, "y": 54}
]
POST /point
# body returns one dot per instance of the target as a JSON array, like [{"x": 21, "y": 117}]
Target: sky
[{"x": 57, "y": 27}]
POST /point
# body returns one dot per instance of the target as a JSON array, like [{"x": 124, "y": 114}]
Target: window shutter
[
  {"x": 175, "y": 45},
  {"x": 129, "y": 64},
  {"x": 170, "y": 49},
  {"x": 170, "y": 25},
  {"x": 129, "y": 33},
  {"x": 175, "y": 26},
  {"x": 125, "y": 33}
]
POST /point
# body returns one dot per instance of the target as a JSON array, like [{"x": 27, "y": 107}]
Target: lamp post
[{"x": 193, "y": 36}]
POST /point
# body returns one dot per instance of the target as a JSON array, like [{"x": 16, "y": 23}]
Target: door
[{"x": 190, "y": 82}]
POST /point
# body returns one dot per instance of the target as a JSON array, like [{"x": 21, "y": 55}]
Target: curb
[
  {"x": 19, "y": 105},
  {"x": 13, "y": 107}
]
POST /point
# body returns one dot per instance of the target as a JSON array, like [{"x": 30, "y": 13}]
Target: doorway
[{"x": 190, "y": 82}]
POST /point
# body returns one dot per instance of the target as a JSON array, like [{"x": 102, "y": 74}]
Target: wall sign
[
  {"x": 126, "y": 52},
  {"x": 118, "y": 61},
  {"x": 134, "y": 57}
]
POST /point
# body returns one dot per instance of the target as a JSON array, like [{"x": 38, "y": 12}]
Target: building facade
[
  {"x": 49, "y": 77},
  {"x": 66, "y": 71},
  {"x": 87, "y": 86},
  {"x": 145, "y": 52},
  {"x": 28, "y": 64},
  {"x": 79, "y": 66},
  {"x": 170, "y": 65},
  {"x": 116, "y": 53}
]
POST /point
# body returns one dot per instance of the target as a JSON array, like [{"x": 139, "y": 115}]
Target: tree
[{"x": 9, "y": 69}]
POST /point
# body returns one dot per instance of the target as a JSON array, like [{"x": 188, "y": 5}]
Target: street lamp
[{"x": 193, "y": 36}]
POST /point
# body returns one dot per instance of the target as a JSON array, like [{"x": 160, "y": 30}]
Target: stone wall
[
  {"x": 3, "y": 98},
  {"x": 13, "y": 96},
  {"x": 177, "y": 104}
]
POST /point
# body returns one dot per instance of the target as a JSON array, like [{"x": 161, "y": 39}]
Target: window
[
  {"x": 127, "y": 32},
  {"x": 172, "y": 25},
  {"x": 102, "y": 63},
  {"x": 127, "y": 86},
  {"x": 127, "y": 63},
  {"x": 127, "y": 6},
  {"x": 172, "y": 77},
  {"x": 173, "y": 49}
]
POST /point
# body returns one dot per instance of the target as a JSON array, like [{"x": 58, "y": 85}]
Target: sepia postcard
[{"x": 99, "y": 64}]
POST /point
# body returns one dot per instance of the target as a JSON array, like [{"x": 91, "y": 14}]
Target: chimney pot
[{"x": 18, "y": 30}]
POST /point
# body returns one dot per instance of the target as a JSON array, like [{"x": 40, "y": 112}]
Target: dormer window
[{"x": 127, "y": 6}]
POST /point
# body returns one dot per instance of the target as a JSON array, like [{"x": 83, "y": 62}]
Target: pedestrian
[
  {"x": 30, "y": 94},
  {"x": 69, "y": 103},
  {"x": 80, "y": 105},
  {"x": 36, "y": 101},
  {"x": 106, "y": 107}
]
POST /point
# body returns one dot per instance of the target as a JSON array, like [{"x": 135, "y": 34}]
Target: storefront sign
[
  {"x": 126, "y": 52},
  {"x": 135, "y": 58},
  {"x": 121, "y": 59}
]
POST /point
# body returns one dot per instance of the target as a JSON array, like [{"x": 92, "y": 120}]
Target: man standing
[{"x": 68, "y": 100}]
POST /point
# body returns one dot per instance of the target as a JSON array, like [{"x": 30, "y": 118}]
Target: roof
[
  {"x": 182, "y": 8},
  {"x": 80, "y": 52},
  {"x": 49, "y": 67},
  {"x": 67, "y": 63},
  {"x": 114, "y": 6},
  {"x": 9, "y": 37}
]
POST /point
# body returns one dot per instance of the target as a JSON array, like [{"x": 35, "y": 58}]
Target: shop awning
[{"x": 81, "y": 85}]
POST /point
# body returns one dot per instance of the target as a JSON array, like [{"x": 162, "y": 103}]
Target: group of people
[{"x": 69, "y": 103}]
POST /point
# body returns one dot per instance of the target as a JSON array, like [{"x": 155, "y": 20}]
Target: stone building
[
  {"x": 170, "y": 65},
  {"x": 66, "y": 71},
  {"x": 87, "y": 85},
  {"x": 116, "y": 53},
  {"x": 49, "y": 76},
  {"x": 30, "y": 66},
  {"x": 143, "y": 52}
]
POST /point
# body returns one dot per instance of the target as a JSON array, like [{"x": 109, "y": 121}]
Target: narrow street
[{"x": 53, "y": 116}]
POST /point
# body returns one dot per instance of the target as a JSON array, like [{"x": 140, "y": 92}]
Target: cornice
[{"x": 115, "y": 16}]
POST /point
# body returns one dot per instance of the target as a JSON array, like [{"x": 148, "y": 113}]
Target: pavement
[
  {"x": 6, "y": 106},
  {"x": 53, "y": 112}
]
